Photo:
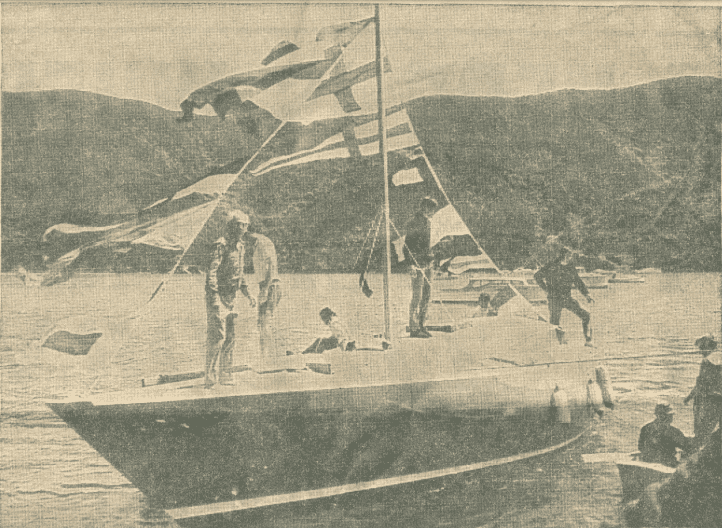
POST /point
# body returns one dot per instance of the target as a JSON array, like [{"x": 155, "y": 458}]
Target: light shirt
[{"x": 265, "y": 261}]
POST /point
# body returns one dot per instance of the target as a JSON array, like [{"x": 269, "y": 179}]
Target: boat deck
[{"x": 485, "y": 348}]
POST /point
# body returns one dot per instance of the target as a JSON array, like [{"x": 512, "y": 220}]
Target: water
[{"x": 49, "y": 477}]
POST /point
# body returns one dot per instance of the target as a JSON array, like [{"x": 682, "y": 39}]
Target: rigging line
[
  {"x": 326, "y": 75},
  {"x": 443, "y": 191},
  {"x": 368, "y": 234},
  {"x": 373, "y": 244},
  {"x": 141, "y": 311},
  {"x": 213, "y": 209},
  {"x": 428, "y": 281}
]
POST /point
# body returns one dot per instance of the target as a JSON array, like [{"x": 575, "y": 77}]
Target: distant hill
[
  {"x": 632, "y": 172},
  {"x": 84, "y": 158}
]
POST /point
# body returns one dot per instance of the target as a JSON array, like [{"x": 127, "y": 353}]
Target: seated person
[
  {"x": 659, "y": 439},
  {"x": 482, "y": 307},
  {"x": 339, "y": 335},
  {"x": 503, "y": 296}
]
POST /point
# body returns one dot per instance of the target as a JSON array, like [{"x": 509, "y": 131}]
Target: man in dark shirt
[
  {"x": 418, "y": 244},
  {"x": 557, "y": 279},
  {"x": 659, "y": 439},
  {"x": 224, "y": 279},
  {"x": 707, "y": 391}
]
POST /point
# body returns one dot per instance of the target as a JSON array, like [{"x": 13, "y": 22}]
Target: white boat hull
[
  {"x": 422, "y": 410},
  {"x": 467, "y": 288}
]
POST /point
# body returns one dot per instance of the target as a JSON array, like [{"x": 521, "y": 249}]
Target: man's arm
[
  {"x": 541, "y": 278},
  {"x": 579, "y": 283},
  {"x": 697, "y": 384},
  {"x": 244, "y": 290},
  {"x": 681, "y": 441},
  {"x": 216, "y": 259},
  {"x": 642, "y": 440},
  {"x": 691, "y": 395}
]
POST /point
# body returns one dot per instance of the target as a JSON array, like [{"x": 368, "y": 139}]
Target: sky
[{"x": 159, "y": 53}]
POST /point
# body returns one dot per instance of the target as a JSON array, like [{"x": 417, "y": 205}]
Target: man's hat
[
  {"x": 706, "y": 343},
  {"x": 239, "y": 217},
  {"x": 428, "y": 201},
  {"x": 663, "y": 409},
  {"x": 326, "y": 314}
]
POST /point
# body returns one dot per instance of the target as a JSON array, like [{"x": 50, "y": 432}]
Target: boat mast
[{"x": 384, "y": 157}]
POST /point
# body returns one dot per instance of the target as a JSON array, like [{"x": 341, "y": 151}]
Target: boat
[
  {"x": 593, "y": 280},
  {"x": 630, "y": 278},
  {"x": 298, "y": 429},
  {"x": 470, "y": 276},
  {"x": 649, "y": 271},
  {"x": 637, "y": 475}
]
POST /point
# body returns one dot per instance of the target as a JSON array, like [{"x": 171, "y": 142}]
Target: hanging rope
[
  {"x": 362, "y": 281},
  {"x": 377, "y": 219},
  {"x": 416, "y": 263},
  {"x": 446, "y": 196}
]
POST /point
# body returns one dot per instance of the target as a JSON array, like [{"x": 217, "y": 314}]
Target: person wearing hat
[
  {"x": 339, "y": 335},
  {"x": 557, "y": 279},
  {"x": 224, "y": 279},
  {"x": 707, "y": 391},
  {"x": 418, "y": 246},
  {"x": 659, "y": 439}
]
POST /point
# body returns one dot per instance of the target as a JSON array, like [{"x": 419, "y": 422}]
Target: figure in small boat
[
  {"x": 689, "y": 497},
  {"x": 418, "y": 245},
  {"x": 707, "y": 392},
  {"x": 224, "y": 279},
  {"x": 339, "y": 335},
  {"x": 659, "y": 439},
  {"x": 265, "y": 267},
  {"x": 557, "y": 279}
]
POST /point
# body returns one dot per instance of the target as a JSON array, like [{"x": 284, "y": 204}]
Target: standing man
[
  {"x": 224, "y": 279},
  {"x": 557, "y": 279},
  {"x": 265, "y": 266},
  {"x": 707, "y": 392},
  {"x": 418, "y": 244}
]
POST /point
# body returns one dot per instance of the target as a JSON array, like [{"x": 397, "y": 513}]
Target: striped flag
[
  {"x": 169, "y": 226},
  {"x": 359, "y": 140},
  {"x": 306, "y": 66}
]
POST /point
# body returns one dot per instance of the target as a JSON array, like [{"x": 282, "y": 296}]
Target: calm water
[{"x": 49, "y": 477}]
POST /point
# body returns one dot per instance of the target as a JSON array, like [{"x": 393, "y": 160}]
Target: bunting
[
  {"x": 169, "y": 225},
  {"x": 359, "y": 140},
  {"x": 316, "y": 66}
]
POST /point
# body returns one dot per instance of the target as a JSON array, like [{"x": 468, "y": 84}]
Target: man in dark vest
[
  {"x": 225, "y": 278},
  {"x": 557, "y": 279},
  {"x": 418, "y": 244},
  {"x": 659, "y": 439},
  {"x": 707, "y": 392}
]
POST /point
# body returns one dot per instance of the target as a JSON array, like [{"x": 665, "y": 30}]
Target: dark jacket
[
  {"x": 225, "y": 270},
  {"x": 709, "y": 380},
  {"x": 558, "y": 279},
  {"x": 418, "y": 240},
  {"x": 658, "y": 443}
]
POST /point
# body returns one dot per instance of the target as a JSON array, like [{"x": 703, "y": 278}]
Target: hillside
[
  {"x": 632, "y": 172},
  {"x": 84, "y": 158}
]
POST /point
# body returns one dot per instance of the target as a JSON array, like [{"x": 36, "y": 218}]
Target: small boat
[
  {"x": 594, "y": 280},
  {"x": 464, "y": 282},
  {"x": 635, "y": 474},
  {"x": 649, "y": 271},
  {"x": 631, "y": 278}
]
